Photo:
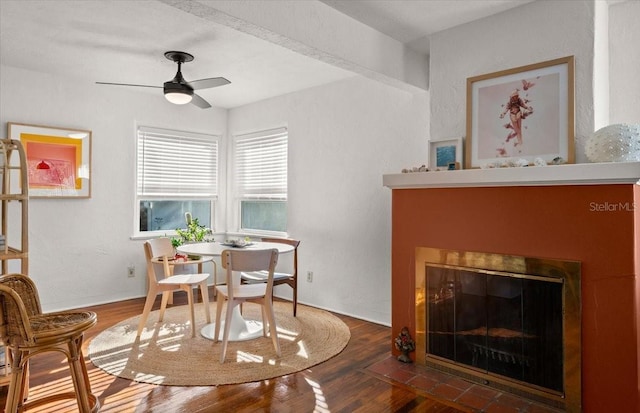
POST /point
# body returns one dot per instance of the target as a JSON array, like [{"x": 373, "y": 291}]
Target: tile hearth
[{"x": 470, "y": 396}]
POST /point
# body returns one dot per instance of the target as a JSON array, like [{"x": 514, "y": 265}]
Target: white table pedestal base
[{"x": 240, "y": 330}]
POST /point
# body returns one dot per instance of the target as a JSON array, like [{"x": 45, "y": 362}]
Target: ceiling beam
[{"x": 315, "y": 30}]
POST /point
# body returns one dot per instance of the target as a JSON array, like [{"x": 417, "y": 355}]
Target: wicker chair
[{"x": 26, "y": 332}]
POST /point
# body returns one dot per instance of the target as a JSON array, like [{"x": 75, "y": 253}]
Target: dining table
[{"x": 241, "y": 329}]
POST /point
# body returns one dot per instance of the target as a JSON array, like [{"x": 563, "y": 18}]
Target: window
[
  {"x": 260, "y": 174},
  {"x": 177, "y": 172}
]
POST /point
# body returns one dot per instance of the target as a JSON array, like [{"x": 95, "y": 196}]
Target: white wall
[
  {"x": 624, "y": 66},
  {"x": 342, "y": 138},
  {"x": 79, "y": 249},
  {"x": 534, "y": 32}
]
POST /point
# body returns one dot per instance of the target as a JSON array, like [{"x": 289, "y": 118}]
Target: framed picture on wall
[
  {"x": 526, "y": 112},
  {"x": 445, "y": 152},
  {"x": 58, "y": 160}
]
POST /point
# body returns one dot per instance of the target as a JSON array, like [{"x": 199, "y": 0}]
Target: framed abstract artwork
[
  {"x": 445, "y": 154},
  {"x": 526, "y": 113},
  {"x": 58, "y": 160}
]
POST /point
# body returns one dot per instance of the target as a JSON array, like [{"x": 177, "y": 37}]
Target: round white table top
[{"x": 216, "y": 248}]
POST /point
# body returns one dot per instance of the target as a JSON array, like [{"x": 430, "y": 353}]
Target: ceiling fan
[{"x": 178, "y": 90}]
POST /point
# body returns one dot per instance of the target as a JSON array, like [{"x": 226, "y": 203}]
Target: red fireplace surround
[{"x": 595, "y": 222}]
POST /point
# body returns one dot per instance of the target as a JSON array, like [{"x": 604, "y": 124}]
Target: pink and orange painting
[
  {"x": 58, "y": 160},
  {"x": 52, "y": 161}
]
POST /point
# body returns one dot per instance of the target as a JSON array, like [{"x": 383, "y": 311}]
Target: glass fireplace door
[{"x": 499, "y": 323}]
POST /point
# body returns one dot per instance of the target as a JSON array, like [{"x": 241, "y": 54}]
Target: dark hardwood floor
[{"x": 341, "y": 384}]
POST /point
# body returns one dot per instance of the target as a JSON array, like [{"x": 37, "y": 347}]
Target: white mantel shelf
[{"x": 570, "y": 174}]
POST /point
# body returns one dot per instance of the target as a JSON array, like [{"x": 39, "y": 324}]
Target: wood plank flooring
[{"x": 340, "y": 384}]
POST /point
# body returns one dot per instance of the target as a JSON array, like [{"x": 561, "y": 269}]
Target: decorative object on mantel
[
  {"x": 444, "y": 152},
  {"x": 509, "y": 163},
  {"x": 521, "y": 162},
  {"x": 539, "y": 162},
  {"x": 415, "y": 169},
  {"x": 524, "y": 112},
  {"x": 405, "y": 344},
  {"x": 614, "y": 143}
]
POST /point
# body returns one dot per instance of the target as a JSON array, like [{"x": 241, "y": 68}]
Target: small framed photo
[
  {"x": 445, "y": 153},
  {"x": 526, "y": 112},
  {"x": 58, "y": 160}
]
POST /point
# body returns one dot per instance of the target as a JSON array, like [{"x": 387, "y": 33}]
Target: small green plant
[
  {"x": 195, "y": 232},
  {"x": 176, "y": 242}
]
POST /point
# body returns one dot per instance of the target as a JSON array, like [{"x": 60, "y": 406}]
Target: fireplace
[
  {"x": 509, "y": 322},
  {"x": 560, "y": 212}
]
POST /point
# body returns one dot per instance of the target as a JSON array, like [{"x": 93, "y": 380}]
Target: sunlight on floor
[
  {"x": 248, "y": 358},
  {"x": 102, "y": 387},
  {"x": 321, "y": 403},
  {"x": 302, "y": 352}
]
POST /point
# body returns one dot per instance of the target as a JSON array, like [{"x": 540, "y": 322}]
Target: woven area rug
[{"x": 166, "y": 354}]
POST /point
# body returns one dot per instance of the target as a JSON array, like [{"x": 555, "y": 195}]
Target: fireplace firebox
[{"x": 506, "y": 321}]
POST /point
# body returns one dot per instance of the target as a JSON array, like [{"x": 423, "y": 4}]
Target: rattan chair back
[
  {"x": 19, "y": 300},
  {"x": 27, "y": 332}
]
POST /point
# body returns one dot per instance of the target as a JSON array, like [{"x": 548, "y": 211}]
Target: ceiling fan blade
[
  {"x": 207, "y": 83},
  {"x": 199, "y": 102},
  {"x": 126, "y": 84}
]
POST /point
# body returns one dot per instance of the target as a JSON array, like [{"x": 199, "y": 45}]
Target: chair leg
[
  {"x": 273, "y": 330},
  {"x": 148, "y": 304},
  {"x": 17, "y": 384},
  {"x": 192, "y": 312},
  {"x": 227, "y": 327},
  {"x": 265, "y": 319},
  {"x": 295, "y": 300},
  {"x": 215, "y": 279},
  {"x": 79, "y": 376},
  {"x": 204, "y": 291},
  {"x": 219, "y": 304},
  {"x": 166, "y": 295}
]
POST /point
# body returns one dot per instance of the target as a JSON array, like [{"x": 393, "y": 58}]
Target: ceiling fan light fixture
[
  {"x": 178, "y": 98},
  {"x": 177, "y": 90},
  {"x": 178, "y": 93}
]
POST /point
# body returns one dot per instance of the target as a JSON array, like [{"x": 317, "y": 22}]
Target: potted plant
[{"x": 195, "y": 232}]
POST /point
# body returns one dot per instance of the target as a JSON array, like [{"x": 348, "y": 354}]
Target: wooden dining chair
[
  {"x": 163, "y": 249},
  {"x": 236, "y": 294},
  {"x": 291, "y": 279},
  {"x": 28, "y": 332}
]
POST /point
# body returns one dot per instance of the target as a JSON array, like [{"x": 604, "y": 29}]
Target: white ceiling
[
  {"x": 412, "y": 21},
  {"x": 125, "y": 41}
]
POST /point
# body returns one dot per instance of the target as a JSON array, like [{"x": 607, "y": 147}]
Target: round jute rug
[{"x": 166, "y": 354}]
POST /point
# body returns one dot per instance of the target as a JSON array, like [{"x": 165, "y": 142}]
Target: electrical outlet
[
  {"x": 309, "y": 276},
  {"x": 131, "y": 271}
]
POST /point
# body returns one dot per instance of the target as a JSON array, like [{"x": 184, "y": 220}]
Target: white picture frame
[{"x": 445, "y": 154}]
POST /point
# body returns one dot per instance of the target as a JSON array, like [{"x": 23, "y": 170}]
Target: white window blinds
[
  {"x": 177, "y": 164},
  {"x": 261, "y": 164}
]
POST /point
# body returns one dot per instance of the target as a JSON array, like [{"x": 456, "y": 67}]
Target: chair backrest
[
  {"x": 289, "y": 241},
  {"x": 249, "y": 261},
  {"x": 19, "y": 300},
  {"x": 158, "y": 248}
]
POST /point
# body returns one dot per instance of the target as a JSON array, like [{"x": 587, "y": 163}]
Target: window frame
[
  {"x": 238, "y": 197},
  {"x": 212, "y": 197}
]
